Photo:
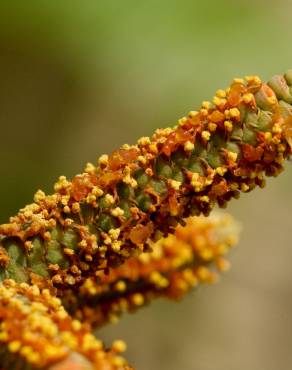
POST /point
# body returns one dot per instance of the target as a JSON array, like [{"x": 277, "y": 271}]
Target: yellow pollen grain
[
  {"x": 76, "y": 325},
  {"x": 244, "y": 187},
  {"x": 67, "y": 209},
  {"x": 204, "y": 111},
  {"x": 222, "y": 264},
  {"x": 232, "y": 156},
  {"x": 91, "y": 198},
  {"x": 90, "y": 168},
  {"x": 144, "y": 257},
  {"x": 68, "y": 222},
  {"x": 238, "y": 80},
  {"x": 128, "y": 179},
  {"x": 4, "y": 336},
  {"x": 75, "y": 207},
  {"x": 276, "y": 140},
  {"x": 35, "y": 290},
  {"x": 116, "y": 245},
  {"x": 97, "y": 191},
  {"x": 221, "y": 171},
  {"x": 198, "y": 186},
  {"x": 221, "y": 93},
  {"x": 193, "y": 113},
  {"x": 143, "y": 141},
  {"x": 103, "y": 159},
  {"x": 153, "y": 148},
  {"x": 206, "y": 135},
  {"x": 57, "y": 279},
  {"x": 212, "y": 126},
  {"x": 175, "y": 184},
  {"x": 24, "y": 286},
  {"x": 206, "y": 104},
  {"x": 234, "y": 112},
  {"x": 69, "y": 339},
  {"x": 28, "y": 245},
  {"x": 217, "y": 101},
  {"x": 253, "y": 80},
  {"x": 120, "y": 286},
  {"x": 182, "y": 285},
  {"x": 158, "y": 279},
  {"x": 206, "y": 254},
  {"x": 117, "y": 212},
  {"x": 47, "y": 236},
  {"x": 228, "y": 125},
  {"x": 62, "y": 183},
  {"x": 119, "y": 346},
  {"x": 109, "y": 199},
  {"x": 248, "y": 98},
  {"x": 26, "y": 351},
  {"x": 69, "y": 279},
  {"x": 118, "y": 362},
  {"x": 188, "y": 146},
  {"x": 69, "y": 251},
  {"x": 33, "y": 358},
  {"x": 277, "y": 129},
  {"x": 62, "y": 314},
  {"x": 182, "y": 121},
  {"x": 138, "y": 299},
  {"x": 39, "y": 196},
  {"x": 114, "y": 233},
  {"x": 268, "y": 136},
  {"x": 203, "y": 273},
  {"x": 14, "y": 346},
  {"x": 205, "y": 199},
  {"x": 142, "y": 159},
  {"x": 82, "y": 243},
  {"x": 190, "y": 277}
]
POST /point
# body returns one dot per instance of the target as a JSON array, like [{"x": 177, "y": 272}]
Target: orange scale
[
  {"x": 173, "y": 205},
  {"x": 169, "y": 145},
  {"x": 216, "y": 116},
  {"x": 270, "y": 153},
  {"x": 218, "y": 190},
  {"x": 234, "y": 96},
  {"x": 109, "y": 178},
  {"x": 140, "y": 233},
  {"x": 252, "y": 154},
  {"x": 121, "y": 158},
  {"x": 80, "y": 187},
  {"x": 183, "y": 135},
  {"x": 188, "y": 124}
]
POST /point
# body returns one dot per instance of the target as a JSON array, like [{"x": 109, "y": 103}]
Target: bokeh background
[{"x": 80, "y": 78}]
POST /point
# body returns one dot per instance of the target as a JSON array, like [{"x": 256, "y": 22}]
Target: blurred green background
[{"x": 80, "y": 78}]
